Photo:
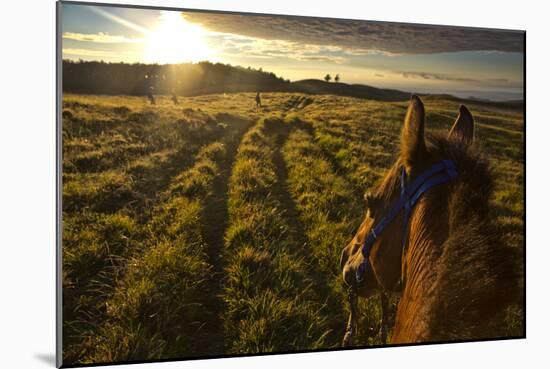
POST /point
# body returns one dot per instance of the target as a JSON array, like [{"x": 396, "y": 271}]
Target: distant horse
[{"x": 454, "y": 275}]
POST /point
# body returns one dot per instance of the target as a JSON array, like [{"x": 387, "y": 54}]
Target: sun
[{"x": 175, "y": 40}]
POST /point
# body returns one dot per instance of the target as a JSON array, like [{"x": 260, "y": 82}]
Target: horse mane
[{"x": 475, "y": 273}]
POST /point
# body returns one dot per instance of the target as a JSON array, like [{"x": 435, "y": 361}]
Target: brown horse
[{"x": 454, "y": 275}]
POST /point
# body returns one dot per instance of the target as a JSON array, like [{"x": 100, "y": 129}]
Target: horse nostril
[{"x": 348, "y": 275}]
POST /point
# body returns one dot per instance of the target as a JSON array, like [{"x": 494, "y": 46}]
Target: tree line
[{"x": 93, "y": 77}]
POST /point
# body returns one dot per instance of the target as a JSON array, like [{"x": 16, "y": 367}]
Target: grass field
[{"x": 214, "y": 227}]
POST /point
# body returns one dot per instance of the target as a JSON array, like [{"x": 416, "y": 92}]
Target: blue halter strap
[{"x": 441, "y": 172}]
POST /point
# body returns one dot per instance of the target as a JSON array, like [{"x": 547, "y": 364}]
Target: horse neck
[{"x": 424, "y": 245}]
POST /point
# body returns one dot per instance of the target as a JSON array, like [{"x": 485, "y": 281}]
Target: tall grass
[
  {"x": 331, "y": 212},
  {"x": 109, "y": 204},
  {"x": 158, "y": 309},
  {"x": 270, "y": 302}
]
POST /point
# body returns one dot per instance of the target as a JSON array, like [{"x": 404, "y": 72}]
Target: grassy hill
[
  {"x": 213, "y": 227},
  {"x": 512, "y": 105},
  {"x": 316, "y": 86}
]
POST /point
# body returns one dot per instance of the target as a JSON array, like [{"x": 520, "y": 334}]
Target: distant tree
[
  {"x": 337, "y": 78},
  {"x": 328, "y": 78}
]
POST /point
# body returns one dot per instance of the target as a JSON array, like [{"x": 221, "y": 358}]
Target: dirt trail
[
  {"x": 298, "y": 229},
  {"x": 282, "y": 193},
  {"x": 215, "y": 217}
]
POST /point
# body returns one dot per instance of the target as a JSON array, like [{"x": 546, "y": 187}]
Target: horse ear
[
  {"x": 463, "y": 129},
  {"x": 413, "y": 146}
]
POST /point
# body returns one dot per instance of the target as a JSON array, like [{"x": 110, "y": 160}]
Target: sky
[{"x": 465, "y": 62}]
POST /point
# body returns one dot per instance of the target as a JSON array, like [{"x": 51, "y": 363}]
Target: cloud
[
  {"x": 498, "y": 80},
  {"x": 257, "y": 48},
  {"x": 119, "y": 20},
  {"x": 487, "y": 82},
  {"x": 102, "y": 38},
  {"x": 436, "y": 76},
  {"x": 324, "y": 58},
  {"x": 71, "y": 53},
  {"x": 361, "y": 36}
]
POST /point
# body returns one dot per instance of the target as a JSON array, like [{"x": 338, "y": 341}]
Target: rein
[{"x": 440, "y": 173}]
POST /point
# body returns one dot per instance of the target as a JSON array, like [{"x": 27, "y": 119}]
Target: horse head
[{"x": 408, "y": 251}]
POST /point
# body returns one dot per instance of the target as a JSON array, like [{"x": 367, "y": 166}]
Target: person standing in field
[
  {"x": 150, "y": 89},
  {"x": 150, "y": 95},
  {"x": 258, "y": 100},
  {"x": 174, "y": 96}
]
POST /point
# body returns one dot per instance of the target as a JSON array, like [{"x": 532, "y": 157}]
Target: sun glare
[{"x": 174, "y": 40}]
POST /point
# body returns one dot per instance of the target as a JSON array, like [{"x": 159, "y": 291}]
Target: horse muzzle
[{"x": 350, "y": 264}]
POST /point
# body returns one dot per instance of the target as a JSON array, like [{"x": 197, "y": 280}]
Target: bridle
[{"x": 439, "y": 173}]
